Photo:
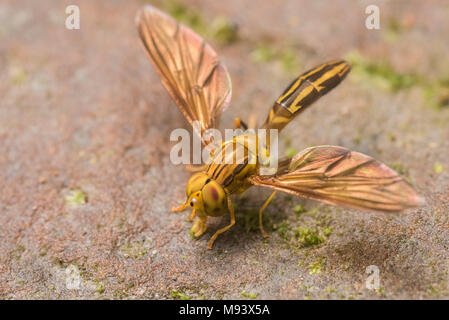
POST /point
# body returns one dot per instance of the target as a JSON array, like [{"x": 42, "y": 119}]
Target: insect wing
[
  {"x": 338, "y": 176},
  {"x": 188, "y": 67}
]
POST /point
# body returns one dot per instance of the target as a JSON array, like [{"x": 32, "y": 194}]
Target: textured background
[{"x": 85, "y": 178}]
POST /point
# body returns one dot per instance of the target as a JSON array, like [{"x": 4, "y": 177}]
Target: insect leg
[
  {"x": 231, "y": 212},
  {"x": 200, "y": 225},
  {"x": 261, "y": 211},
  {"x": 192, "y": 215},
  {"x": 240, "y": 124}
]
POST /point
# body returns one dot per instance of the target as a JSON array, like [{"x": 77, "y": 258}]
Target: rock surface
[{"x": 87, "y": 185}]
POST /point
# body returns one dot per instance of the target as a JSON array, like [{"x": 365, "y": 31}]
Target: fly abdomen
[{"x": 305, "y": 90}]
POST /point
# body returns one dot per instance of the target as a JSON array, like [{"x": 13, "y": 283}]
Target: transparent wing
[
  {"x": 188, "y": 67},
  {"x": 338, "y": 176}
]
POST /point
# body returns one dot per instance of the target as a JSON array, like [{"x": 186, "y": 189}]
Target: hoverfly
[{"x": 201, "y": 87}]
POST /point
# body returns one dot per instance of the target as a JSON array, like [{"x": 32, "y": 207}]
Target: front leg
[{"x": 200, "y": 226}]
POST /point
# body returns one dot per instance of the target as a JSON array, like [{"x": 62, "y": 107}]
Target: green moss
[
  {"x": 286, "y": 57},
  {"x": 438, "y": 168},
  {"x": 224, "y": 31},
  {"x": 58, "y": 262},
  {"x": 121, "y": 222},
  {"x": 177, "y": 295},
  {"x": 308, "y": 236},
  {"x": 43, "y": 250},
  {"x": 123, "y": 292},
  {"x": 133, "y": 250},
  {"x": 311, "y": 228},
  {"x": 263, "y": 53},
  {"x": 185, "y": 15},
  {"x": 20, "y": 249},
  {"x": 356, "y": 140},
  {"x": 284, "y": 229},
  {"x": 433, "y": 290},
  {"x": 299, "y": 209},
  {"x": 20, "y": 282},
  {"x": 75, "y": 198},
  {"x": 249, "y": 295},
  {"x": 327, "y": 231},
  {"x": 330, "y": 290},
  {"x": 221, "y": 29},
  {"x": 249, "y": 219},
  {"x": 100, "y": 288},
  {"x": 381, "y": 73},
  {"x": 316, "y": 266},
  {"x": 380, "y": 291},
  {"x": 289, "y": 61}
]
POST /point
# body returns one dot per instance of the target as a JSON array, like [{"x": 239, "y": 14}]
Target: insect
[{"x": 201, "y": 87}]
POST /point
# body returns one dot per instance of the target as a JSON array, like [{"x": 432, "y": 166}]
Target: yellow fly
[{"x": 201, "y": 87}]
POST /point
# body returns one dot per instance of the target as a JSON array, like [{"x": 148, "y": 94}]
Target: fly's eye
[{"x": 191, "y": 204}]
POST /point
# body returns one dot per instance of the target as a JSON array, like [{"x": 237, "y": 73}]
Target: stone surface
[{"x": 86, "y": 184}]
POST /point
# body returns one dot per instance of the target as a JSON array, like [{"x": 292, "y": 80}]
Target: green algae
[
  {"x": 178, "y": 295},
  {"x": 76, "y": 198},
  {"x": 249, "y": 295}
]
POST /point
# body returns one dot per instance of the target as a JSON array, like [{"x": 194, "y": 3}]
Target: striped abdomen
[{"x": 305, "y": 90}]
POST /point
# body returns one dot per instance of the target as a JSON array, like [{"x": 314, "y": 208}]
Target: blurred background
[{"x": 86, "y": 184}]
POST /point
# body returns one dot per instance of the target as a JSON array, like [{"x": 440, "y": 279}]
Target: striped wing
[
  {"x": 338, "y": 176},
  {"x": 188, "y": 67},
  {"x": 304, "y": 91}
]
